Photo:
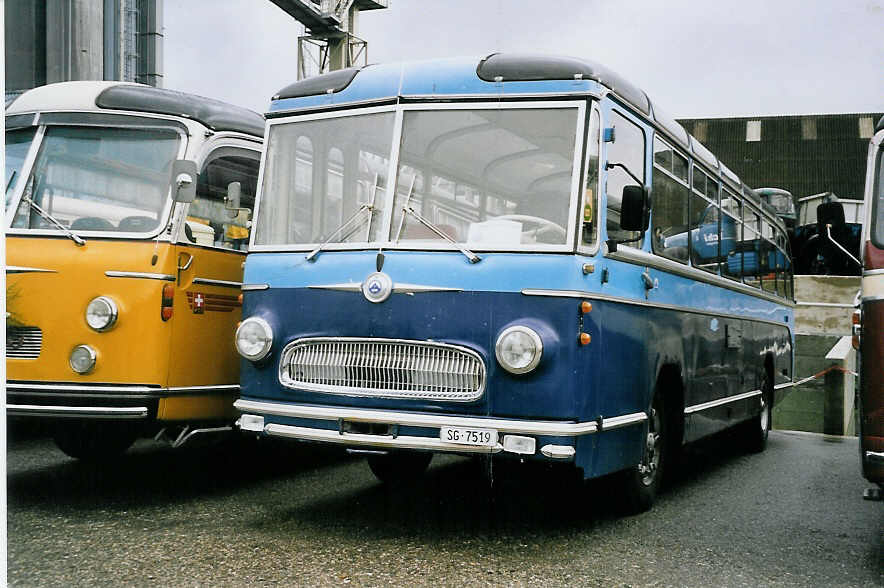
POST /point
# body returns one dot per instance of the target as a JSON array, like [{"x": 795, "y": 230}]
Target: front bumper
[
  {"x": 420, "y": 430},
  {"x": 97, "y": 401}
]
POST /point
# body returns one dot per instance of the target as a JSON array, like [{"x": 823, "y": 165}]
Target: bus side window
[
  {"x": 589, "y": 218},
  {"x": 704, "y": 215},
  {"x": 208, "y": 222},
  {"x": 731, "y": 235},
  {"x": 628, "y": 149},
  {"x": 670, "y": 203}
]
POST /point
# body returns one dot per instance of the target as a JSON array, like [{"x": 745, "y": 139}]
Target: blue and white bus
[{"x": 469, "y": 256}]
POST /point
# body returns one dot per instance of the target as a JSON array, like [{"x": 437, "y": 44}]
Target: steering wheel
[{"x": 544, "y": 226}]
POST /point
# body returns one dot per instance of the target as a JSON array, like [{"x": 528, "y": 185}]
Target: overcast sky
[{"x": 695, "y": 58}]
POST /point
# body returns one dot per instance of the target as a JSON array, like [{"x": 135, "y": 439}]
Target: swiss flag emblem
[{"x": 199, "y": 304}]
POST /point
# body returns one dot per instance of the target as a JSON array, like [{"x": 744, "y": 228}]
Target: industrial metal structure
[
  {"x": 330, "y": 42},
  {"x": 50, "y": 42}
]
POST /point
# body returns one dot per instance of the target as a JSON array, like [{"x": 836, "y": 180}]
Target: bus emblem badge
[{"x": 377, "y": 287}]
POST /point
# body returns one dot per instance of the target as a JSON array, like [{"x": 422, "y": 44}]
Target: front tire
[
  {"x": 397, "y": 469},
  {"x": 641, "y": 483},
  {"x": 90, "y": 441}
]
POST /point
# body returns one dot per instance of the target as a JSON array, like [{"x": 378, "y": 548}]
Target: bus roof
[{"x": 97, "y": 96}]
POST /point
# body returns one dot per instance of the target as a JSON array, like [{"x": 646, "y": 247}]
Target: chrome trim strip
[
  {"x": 826, "y": 304},
  {"x": 114, "y": 390},
  {"x": 874, "y": 272},
  {"x": 222, "y": 283},
  {"x": 201, "y": 389},
  {"x": 634, "y": 302},
  {"x": 363, "y": 440},
  {"x": 418, "y": 288},
  {"x": 785, "y": 385},
  {"x": 16, "y": 269},
  {"x": 721, "y": 401},
  {"x": 623, "y": 421},
  {"x": 61, "y": 387},
  {"x": 95, "y": 412},
  {"x": 254, "y": 287},
  {"x": 393, "y": 417},
  {"x": 347, "y": 287},
  {"x": 875, "y": 456},
  {"x": 142, "y": 275},
  {"x": 638, "y": 257}
]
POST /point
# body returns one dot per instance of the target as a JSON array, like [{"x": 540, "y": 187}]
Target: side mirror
[
  {"x": 184, "y": 176},
  {"x": 830, "y": 213},
  {"x": 635, "y": 208},
  {"x": 231, "y": 203}
]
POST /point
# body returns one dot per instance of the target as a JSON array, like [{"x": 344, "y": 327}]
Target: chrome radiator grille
[
  {"x": 383, "y": 368},
  {"x": 23, "y": 342}
]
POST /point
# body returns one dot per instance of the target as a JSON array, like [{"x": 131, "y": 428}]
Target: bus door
[{"x": 210, "y": 253}]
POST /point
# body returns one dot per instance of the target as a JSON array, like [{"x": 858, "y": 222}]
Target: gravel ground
[{"x": 267, "y": 514}]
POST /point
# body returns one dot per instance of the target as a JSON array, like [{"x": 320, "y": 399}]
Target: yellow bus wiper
[{"x": 69, "y": 233}]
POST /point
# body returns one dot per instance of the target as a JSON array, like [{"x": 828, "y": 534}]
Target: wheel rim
[
  {"x": 651, "y": 461},
  {"x": 765, "y": 415}
]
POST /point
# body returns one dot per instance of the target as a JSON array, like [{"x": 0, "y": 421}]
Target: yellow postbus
[{"x": 127, "y": 213}]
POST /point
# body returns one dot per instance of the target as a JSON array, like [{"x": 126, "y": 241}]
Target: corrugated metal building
[{"x": 805, "y": 154}]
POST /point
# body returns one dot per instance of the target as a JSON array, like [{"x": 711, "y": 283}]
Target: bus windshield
[
  {"x": 99, "y": 179},
  {"x": 17, "y": 144},
  {"x": 484, "y": 177}
]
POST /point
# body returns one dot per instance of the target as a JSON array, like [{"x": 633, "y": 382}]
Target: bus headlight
[
  {"x": 254, "y": 338},
  {"x": 82, "y": 359},
  {"x": 101, "y": 313},
  {"x": 518, "y": 349}
]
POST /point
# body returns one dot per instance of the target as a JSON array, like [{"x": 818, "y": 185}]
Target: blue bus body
[{"x": 410, "y": 363}]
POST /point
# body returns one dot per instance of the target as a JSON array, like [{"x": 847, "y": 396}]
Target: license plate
[{"x": 466, "y": 436}]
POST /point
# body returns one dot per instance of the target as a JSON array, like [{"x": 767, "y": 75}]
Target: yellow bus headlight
[{"x": 101, "y": 313}]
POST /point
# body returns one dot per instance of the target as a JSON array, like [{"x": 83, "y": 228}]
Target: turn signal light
[
  {"x": 585, "y": 307},
  {"x": 167, "y": 302},
  {"x": 239, "y": 299},
  {"x": 585, "y": 338}
]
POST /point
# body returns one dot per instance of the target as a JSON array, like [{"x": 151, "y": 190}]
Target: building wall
[{"x": 803, "y": 154}]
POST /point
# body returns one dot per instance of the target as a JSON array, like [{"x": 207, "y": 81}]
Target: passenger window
[
  {"x": 208, "y": 221},
  {"x": 670, "y": 203},
  {"x": 628, "y": 148},
  {"x": 730, "y": 234},
  {"x": 751, "y": 246},
  {"x": 704, "y": 223}
]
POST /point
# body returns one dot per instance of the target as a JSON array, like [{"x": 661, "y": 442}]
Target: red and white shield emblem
[{"x": 199, "y": 304}]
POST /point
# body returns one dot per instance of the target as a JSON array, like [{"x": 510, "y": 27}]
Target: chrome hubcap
[{"x": 765, "y": 415}]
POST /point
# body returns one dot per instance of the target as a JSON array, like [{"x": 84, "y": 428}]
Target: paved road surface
[{"x": 280, "y": 514}]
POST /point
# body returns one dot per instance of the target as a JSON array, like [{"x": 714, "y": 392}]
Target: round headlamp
[
  {"x": 254, "y": 338},
  {"x": 82, "y": 359},
  {"x": 518, "y": 349},
  {"x": 101, "y": 313}
]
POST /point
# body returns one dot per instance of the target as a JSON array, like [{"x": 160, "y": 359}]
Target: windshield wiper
[
  {"x": 369, "y": 207},
  {"x": 407, "y": 209},
  {"x": 469, "y": 254},
  {"x": 346, "y": 224},
  {"x": 69, "y": 233}
]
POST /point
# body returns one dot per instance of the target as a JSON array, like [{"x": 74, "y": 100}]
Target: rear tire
[
  {"x": 756, "y": 429},
  {"x": 401, "y": 468},
  {"x": 90, "y": 441},
  {"x": 641, "y": 483}
]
